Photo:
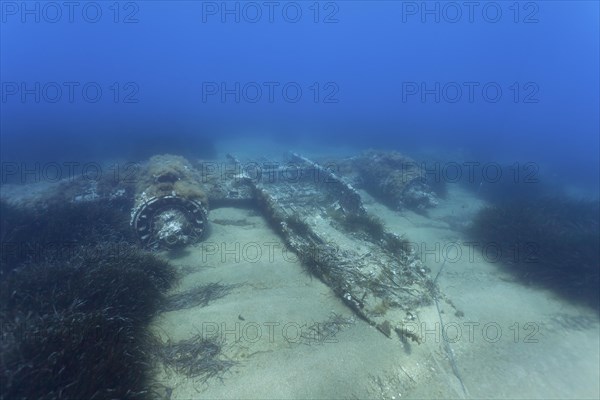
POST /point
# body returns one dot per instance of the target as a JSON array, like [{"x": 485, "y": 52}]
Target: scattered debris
[
  {"x": 323, "y": 221},
  {"x": 394, "y": 178},
  {"x": 198, "y": 296},
  {"x": 196, "y": 357},
  {"x": 326, "y": 331}
]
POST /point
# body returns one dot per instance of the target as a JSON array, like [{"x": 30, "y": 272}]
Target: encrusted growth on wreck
[{"x": 364, "y": 263}]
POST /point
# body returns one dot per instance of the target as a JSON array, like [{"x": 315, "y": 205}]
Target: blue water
[
  {"x": 381, "y": 74},
  {"x": 460, "y": 87}
]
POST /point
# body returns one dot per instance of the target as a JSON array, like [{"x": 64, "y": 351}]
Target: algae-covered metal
[{"x": 323, "y": 220}]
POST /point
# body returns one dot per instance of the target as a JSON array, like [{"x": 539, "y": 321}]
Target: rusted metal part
[
  {"x": 373, "y": 273},
  {"x": 169, "y": 222}
]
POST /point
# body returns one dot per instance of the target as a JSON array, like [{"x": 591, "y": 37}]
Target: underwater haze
[
  {"x": 299, "y": 199},
  {"x": 499, "y": 81}
]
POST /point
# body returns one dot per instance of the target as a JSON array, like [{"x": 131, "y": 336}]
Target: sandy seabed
[{"x": 506, "y": 340}]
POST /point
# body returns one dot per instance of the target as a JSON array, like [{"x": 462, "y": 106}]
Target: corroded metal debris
[
  {"x": 319, "y": 215},
  {"x": 170, "y": 208},
  {"x": 393, "y": 178},
  {"x": 323, "y": 220},
  {"x": 169, "y": 221}
]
